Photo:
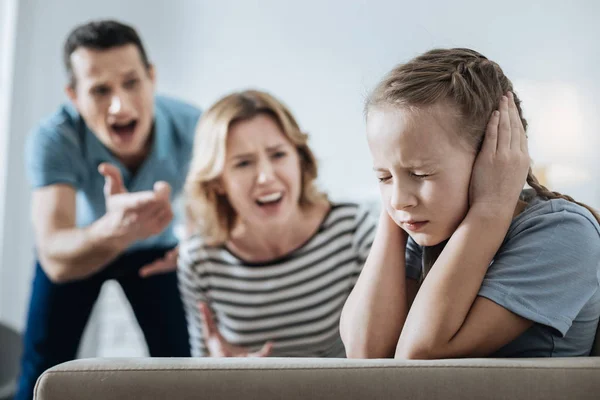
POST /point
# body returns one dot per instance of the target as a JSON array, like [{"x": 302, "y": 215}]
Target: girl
[
  {"x": 465, "y": 263},
  {"x": 273, "y": 260}
]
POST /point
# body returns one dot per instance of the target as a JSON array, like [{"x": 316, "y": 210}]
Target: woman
[
  {"x": 272, "y": 260},
  {"x": 465, "y": 263}
]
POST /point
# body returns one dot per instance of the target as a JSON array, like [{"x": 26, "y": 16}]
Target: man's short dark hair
[{"x": 100, "y": 35}]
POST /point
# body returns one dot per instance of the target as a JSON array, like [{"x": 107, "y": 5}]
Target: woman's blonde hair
[
  {"x": 209, "y": 213},
  {"x": 466, "y": 80}
]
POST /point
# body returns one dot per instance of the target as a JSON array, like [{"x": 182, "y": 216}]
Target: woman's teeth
[{"x": 270, "y": 198}]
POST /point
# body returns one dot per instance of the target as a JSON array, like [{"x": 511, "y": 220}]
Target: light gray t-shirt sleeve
[
  {"x": 414, "y": 259},
  {"x": 547, "y": 268}
]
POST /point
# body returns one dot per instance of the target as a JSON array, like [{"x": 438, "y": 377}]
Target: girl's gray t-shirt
[{"x": 547, "y": 270}]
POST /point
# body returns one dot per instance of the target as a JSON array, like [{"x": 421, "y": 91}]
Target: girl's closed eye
[
  {"x": 384, "y": 178},
  {"x": 419, "y": 176}
]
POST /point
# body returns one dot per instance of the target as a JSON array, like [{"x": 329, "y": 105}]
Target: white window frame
[{"x": 8, "y": 32}]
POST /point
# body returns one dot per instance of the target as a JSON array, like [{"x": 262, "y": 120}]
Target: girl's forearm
[
  {"x": 375, "y": 311},
  {"x": 446, "y": 296}
]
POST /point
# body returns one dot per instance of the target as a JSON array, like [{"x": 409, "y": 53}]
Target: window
[{"x": 8, "y": 23}]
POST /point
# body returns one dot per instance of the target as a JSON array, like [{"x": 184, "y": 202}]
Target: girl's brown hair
[{"x": 465, "y": 79}]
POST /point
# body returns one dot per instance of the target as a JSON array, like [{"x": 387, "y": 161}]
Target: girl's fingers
[
  {"x": 516, "y": 126},
  {"x": 490, "y": 141},
  {"x": 504, "y": 126}
]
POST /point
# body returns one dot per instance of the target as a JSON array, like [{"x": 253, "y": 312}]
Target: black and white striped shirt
[{"x": 294, "y": 301}]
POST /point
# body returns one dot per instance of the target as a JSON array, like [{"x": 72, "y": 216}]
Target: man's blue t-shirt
[{"x": 64, "y": 150}]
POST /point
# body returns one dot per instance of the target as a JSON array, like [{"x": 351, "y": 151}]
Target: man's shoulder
[
  {"x": 61, "y": 129},
  {"x": 179, "y": 118},
  {"x": 177, "y": 108}
]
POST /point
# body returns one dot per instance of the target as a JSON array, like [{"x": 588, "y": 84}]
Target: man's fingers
[
  {"x": 150, "y": 207},
  {"x": 108, "y": 186},
  {"x": 114, "y": 180},
  {"x": 159, "y": 220},
  {"x": 162, "y": 190}
]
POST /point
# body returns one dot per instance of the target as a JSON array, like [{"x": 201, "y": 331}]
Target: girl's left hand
[{"x": 501, "y": 167}]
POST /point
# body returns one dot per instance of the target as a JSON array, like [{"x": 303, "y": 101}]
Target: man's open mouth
[{"x": 124, "y": 130}]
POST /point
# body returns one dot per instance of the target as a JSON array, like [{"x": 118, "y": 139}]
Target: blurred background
[{"x": 321, "y": 57}]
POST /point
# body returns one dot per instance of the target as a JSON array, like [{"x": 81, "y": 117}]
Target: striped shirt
[{"x": 295, "y": 301}]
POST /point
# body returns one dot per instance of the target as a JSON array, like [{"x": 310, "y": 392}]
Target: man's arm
[{"x": 65, "y": 251}]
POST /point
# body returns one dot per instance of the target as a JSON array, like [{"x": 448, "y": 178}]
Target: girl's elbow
[
  {"x": 364, "y": 350},
  {"x": 415, "y": 351}
]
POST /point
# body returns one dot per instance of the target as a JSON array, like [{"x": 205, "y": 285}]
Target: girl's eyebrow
[{"x": 412, "y": 165}]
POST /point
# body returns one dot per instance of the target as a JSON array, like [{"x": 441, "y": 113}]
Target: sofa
[{"x": 297, "y": 378}]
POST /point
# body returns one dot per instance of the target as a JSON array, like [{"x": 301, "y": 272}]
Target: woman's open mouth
[{"x": 269, "y": 199}]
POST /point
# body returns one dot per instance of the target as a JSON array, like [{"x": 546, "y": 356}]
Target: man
[{"x": 104, "y": 171}]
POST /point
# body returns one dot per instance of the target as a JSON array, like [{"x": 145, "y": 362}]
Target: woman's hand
[
  {"x": 501, "y": 167},
  {"x": 216, "y": 343}
]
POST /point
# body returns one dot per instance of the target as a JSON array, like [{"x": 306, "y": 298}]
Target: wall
[{"x": 320, "y": 57}]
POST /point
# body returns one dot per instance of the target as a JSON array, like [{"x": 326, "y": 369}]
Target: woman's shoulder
[
  {"x": 349, "y": 211},
  {"x": 194, "y": 250},
  {"x": 349, "y": 218}
]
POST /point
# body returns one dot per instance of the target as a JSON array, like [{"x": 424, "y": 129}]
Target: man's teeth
[{"x": 270, "y": 198}]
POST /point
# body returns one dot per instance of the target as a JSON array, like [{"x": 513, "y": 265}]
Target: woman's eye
[
  {"x": 419, "y": 176},
  {"x": 242, "y": 164},
  {"x": 279, "y": 154},
  {"x": 384, "y": 178}
]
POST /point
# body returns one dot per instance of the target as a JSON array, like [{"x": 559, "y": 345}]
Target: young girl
[
  {"x": 273, "y": 260},
  {"x": 465, "y": 263}
]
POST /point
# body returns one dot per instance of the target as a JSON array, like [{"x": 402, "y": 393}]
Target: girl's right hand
[{"x": 389, "y": 226}]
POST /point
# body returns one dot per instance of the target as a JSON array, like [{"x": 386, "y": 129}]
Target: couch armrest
[{"x": 296, "y": 378}]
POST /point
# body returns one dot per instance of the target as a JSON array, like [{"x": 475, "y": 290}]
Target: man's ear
[
  {"x": 152, "y": 74},
  {"x": 71, "y": 94}
]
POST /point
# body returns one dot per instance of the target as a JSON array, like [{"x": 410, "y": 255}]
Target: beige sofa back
[{"x": 291, "y": 379}]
